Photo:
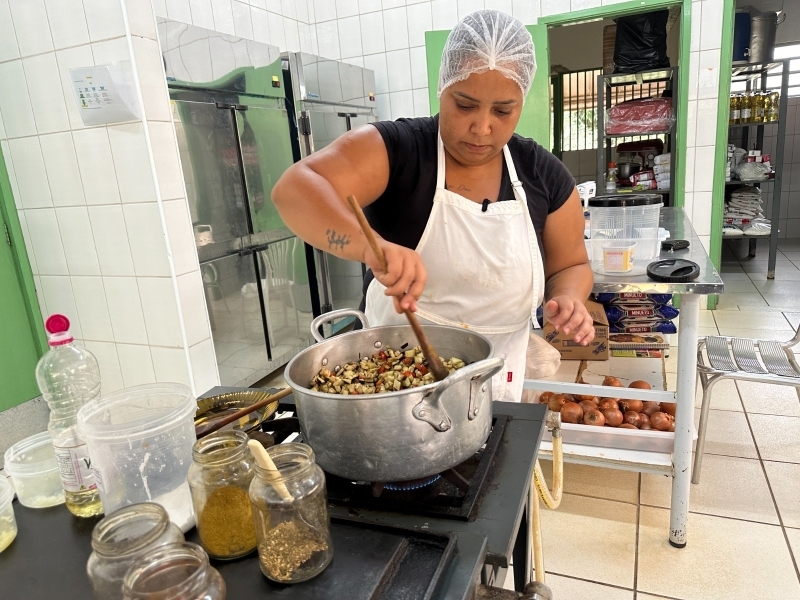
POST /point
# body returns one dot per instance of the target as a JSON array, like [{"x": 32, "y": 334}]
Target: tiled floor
[{"x": 608, "y": 539}]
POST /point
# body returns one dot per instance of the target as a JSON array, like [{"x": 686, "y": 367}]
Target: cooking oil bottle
[{"x": 69, "y": 377}]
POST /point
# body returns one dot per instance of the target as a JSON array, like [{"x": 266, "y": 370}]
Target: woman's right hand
[{"x": 404, "y": 277}]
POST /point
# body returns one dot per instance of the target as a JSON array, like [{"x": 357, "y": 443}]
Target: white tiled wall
[
  {"x": 288, "y": 24},
  {"x": 103, "y": 208}
]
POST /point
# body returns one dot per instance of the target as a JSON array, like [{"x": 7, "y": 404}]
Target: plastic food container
[
  {"x": 624, "y": 233},
  {"x": 8, "y": 524},
  {"x": 140, "y": 442},
  {"x": 618, "y": 257},
  {"x": 34, "y": 470}
]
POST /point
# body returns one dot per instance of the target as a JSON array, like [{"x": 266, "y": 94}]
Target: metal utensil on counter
[
  {"x": 204, "y": 429},
  {"x": 436, "y": 366}
]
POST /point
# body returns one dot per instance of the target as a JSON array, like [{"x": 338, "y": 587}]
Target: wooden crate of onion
[{"x": 614, "y": 422}]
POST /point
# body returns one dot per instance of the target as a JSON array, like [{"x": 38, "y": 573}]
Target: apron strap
[
  {"x": 512, "y": 171},
  {"x": 440, "y": 162}
]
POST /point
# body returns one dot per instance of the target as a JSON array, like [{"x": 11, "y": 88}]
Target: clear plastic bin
[
  {"x": 624, "y": 221},
  {"x": 140, "y": 441},
  {"x": 34, "y": 470}
]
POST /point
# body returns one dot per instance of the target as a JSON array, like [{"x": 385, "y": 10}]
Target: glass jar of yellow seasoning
[
  {"x": 219, "y": 480},
  {"x": 291, "y": 514}
]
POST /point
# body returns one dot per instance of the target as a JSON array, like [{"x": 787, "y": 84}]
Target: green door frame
[{"x": 24, "y": 276}]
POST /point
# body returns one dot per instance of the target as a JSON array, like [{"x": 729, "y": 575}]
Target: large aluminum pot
[{"x": 396, "y": 436}]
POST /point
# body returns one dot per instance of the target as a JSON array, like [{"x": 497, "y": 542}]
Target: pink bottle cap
[{"x": 58, "y": 329}]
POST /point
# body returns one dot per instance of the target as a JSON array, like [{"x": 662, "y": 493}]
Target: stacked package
[
  {"x": 639, "y": 313},
  {"x": 744, "y": 213},
  {"x": 661, "y": 168}
]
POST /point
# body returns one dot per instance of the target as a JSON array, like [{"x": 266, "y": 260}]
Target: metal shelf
[
  {"x": 628, "y": 190},
  {"x": 641, "y": 78},
  {"x": 748, "y": 181},
  {"x": 605, "y": 83},
  {"x": 756, "y": 77},
  {"x": 754, "y": 124},
  {"x": 643, "y": 133}
]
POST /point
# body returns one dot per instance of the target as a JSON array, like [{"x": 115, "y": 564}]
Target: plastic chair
[
  {"x": 761, "y": 361},
  {"x": 278, "y": 259}
]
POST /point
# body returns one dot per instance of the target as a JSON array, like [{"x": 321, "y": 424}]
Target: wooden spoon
[
  {"x": 265, "y": 461},
  {"x": 205, "y": 429},
  {"x": 436, "y": 366}
]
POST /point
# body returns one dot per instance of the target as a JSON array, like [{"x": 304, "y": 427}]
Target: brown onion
[
  {"x": 545, "y": 397},
  {"x": 669, "y": 408},
  {"x": 632, "y": 405},
  {"x": 627, "y": 426},
  {"x": 607, "y": 403},
  {"x": 587, "y": 405},
  {"x": 660, "y": 421},
  {"x": 671, "y": 426},
  {"x": 631, "y": 417},
  {"x": 645, "y": 426},
  {"x": 640, "y": 385},
  {"x": 594, "y": 417},
  {"x": 613, "y": 417},
  {"x": 649, "y": 408},
  {"x": 556, "y": 402},
  {"x": 643, "y": 418},
  {"x": 571, "y": 412},
  {"x": 612, "y": 381},
  {"x": 580, "y": 397}
]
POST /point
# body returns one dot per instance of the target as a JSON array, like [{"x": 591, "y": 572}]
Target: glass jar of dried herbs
[
  {"x": 219, "y": 478},
  {"x": 291, "y": 515}
]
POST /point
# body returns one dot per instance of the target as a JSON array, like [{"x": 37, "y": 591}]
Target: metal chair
[{"x": 761, "y": 361}]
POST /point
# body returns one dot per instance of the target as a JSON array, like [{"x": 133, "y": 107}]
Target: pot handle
[
  {"x": 336, "y": 314},
  {"x": 430, "y": 409}
]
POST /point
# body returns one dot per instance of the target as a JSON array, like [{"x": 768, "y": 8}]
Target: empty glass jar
[
  {"x": 177, "y": 571},
  {"x": 291, "y": 515},
  {"x": 122, "y": 537},
  {"x": 219, "y": 479}
]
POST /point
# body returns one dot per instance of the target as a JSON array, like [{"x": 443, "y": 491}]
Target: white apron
[{"x": 485, "y": 274}]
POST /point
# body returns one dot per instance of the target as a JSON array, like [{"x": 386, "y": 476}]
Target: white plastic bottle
[{"x": 69, "y": 377}]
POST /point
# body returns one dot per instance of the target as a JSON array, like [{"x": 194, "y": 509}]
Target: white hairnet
[{"x": 488, "y": 40}]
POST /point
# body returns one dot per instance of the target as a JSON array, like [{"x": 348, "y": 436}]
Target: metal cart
[{"x": 677, "y": 463}]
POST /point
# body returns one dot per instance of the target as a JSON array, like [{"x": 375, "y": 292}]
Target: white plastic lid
[
  {"x": 32, "y": 456},
  {"x": 58, "y": 330}
]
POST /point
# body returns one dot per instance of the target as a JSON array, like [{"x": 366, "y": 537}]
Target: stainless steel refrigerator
[
  {"x": 330, "y": 98},
  {"x": 235, "y": 136}
]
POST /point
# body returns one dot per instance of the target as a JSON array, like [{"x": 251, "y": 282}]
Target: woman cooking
[{"x": 478, "y": 224}]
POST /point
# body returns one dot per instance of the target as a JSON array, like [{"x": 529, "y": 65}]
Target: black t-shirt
[
  {"x": 400, "y": 214},
  {"x": 402, "y": 211}
]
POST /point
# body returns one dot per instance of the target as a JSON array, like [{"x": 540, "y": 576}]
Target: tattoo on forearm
[{"x": 336, "y": 240}]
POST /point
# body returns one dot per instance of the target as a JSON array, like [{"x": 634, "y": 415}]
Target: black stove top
[{"x": 453, "y": 494}]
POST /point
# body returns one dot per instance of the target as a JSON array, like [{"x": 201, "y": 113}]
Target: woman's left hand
[{"x": 569, "y": 316}]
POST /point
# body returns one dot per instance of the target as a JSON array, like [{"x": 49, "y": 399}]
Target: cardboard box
[{"x": 570, "y": 350}]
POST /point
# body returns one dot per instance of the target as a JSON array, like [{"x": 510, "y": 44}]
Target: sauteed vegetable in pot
[{"x": 385, "y": 371}]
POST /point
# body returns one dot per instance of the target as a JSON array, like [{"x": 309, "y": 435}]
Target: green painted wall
[{"x": 22, "y": 338}]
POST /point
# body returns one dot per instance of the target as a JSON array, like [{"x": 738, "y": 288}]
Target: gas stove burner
[{"x": 414, "y": 484}]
